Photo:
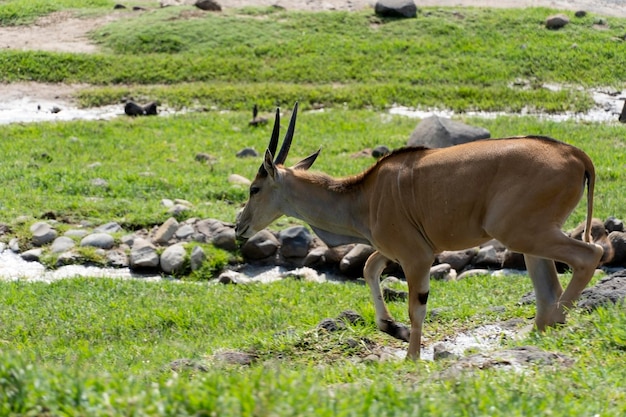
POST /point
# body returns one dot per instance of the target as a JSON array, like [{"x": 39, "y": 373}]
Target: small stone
[
  {"x": 557, "y": 21},
  {"x": 79, "y": 233},
  {"x": 43, "y": 233},
  {"x": 247, "y": 153},
  {"x": 111, "y": 227},
  {"x": 208, "y": 5},
  {"x": 184, "y": 231},
  {"x": 166, "y": 231},
  {"x": 173, "y": 259},
  {"x": 143, "y": 255},
  {"x": 197, "y": 258},
  {"x": 62, "y": 244},
  {"x": 32, "y": 255},
  {"x": 98, "y": 240},
  {"x": 238, "y": 179},
  {"x": 380, "y": 151},
  {"x": 260, "y": 246}
]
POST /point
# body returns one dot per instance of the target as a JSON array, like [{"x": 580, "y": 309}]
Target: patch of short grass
[
  {"x": 465, "y": 59},
  {"x": 106, "y": 347},
  {"x": 120, "y": 170}
]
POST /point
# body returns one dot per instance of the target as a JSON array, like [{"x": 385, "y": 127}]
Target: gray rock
[
  {"x": 173, "y": 259},
  {"x": 14, "y": 244},
  {"x": 352, "y": 264},
  {"x": 556, "y": 21},
  {"x": 612, "y": 224},
  {"x": 111, "y": 227},
  {"x": 166, "y": 231},
  {"x": 442, "y": 272},
  {"x": 609, "y": 290},
  {"x": 513, "y": 358},
  {"x": 208, "y": 5},
  {"x": 67, "y": 258},
  {"x": 618, "y": 242},
  {"x": 238, "y": 179},
  {"x": 209, "y": 227},
  {"x": 143, "y": 255},
  {"x": 117, "y": 258},
  {"x": 395, "y": 8},
  {"x": 247, "y": 153},
  {"x": 225, "y": 239},
  {"x": 487, "y": 257},
  {"x": 133, "y": 109},
  {"x": 99, "y": 182},
  {"x": 78, "y": 233},
  {"x": 457, "y": 259},
  {"x": 98, "y": 240},
  {"x": 316, "y": 258},
  {"x": 177, "y": 209},
  {"x": 62, "y": 244},
  {"x": 295, "y": 242},
  {"x": 32, "y": 255},
  {"x": 440, "y": 132},
  {"x": 197, "y": 258},
  {"x": 260, "y": 246},
  {"x": 204, "y": 157},
  {"x": 184, "y": 231},
  {"x": 472, "y": 273},
  {"x": 513, "y": 260},
  {"x": 232, "y": 277},
  {"x": 43, "y": 233},
  {"x": 380, "y": 151}
]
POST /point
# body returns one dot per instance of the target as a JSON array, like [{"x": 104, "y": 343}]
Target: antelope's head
[{"x": 267, "y": 192}]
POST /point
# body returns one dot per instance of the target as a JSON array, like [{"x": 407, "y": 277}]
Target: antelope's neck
[{"x": 341, "y": 213}]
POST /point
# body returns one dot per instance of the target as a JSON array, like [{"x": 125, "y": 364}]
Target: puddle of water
[
  {"x": 608, "y": 108},
  {"x": 29, "y": 109},
  {"x": 14, "y": 268}
]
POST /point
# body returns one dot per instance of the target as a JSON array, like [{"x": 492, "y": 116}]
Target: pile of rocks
[{"x": 167, "y": 248}]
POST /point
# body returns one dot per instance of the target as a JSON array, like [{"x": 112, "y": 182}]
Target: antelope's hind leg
[
  {"x": 548, "y": 291},
  {"x": 583, "y": 258},
  {"x": 374, "y": 267}
]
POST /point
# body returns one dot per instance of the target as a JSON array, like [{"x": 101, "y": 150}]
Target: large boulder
[{"x": 440, "y": 132}]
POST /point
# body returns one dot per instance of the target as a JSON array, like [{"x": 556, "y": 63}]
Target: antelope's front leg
[
  {"x": 418, "y": 278},
  {"x": 374, "y": 267}
]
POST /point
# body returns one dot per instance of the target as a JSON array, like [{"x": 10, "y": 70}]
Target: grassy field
[{"x": 108, "y": 347}]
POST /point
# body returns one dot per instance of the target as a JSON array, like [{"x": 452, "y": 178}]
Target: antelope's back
[{"x": 458, "y": 190}]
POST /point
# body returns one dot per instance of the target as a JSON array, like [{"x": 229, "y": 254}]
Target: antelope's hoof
[{"x": 399, "y": 331}]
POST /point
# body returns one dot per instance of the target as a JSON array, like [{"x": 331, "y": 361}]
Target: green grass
[
  {"x": 50, "y": 168},
  {"x": 237, "y": 58},
  {"x": 104, "y": 347}
]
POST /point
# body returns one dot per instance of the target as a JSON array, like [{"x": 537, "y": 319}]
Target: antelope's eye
[{"x": 254, "y": 190}]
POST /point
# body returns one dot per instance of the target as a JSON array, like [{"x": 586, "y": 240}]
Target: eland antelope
[{"x": 416, "y": 202}]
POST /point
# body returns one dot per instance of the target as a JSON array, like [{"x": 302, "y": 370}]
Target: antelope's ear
[
  {"x": 308, "y": 161},
  {"x": 268, "y": 164}
]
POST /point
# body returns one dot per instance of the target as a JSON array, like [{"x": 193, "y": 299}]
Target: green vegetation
[
  {"x": 106, "y": 347},
  {"x": 102, "y": 347},
  {"x": 446, "y": 58},
  {"x": 120, "y": 170}
]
